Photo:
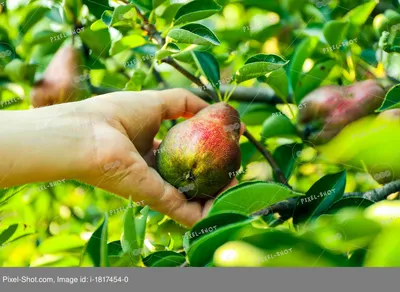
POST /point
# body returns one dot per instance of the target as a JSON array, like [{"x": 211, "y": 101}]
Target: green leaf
[
  {"x": 249, "y": 152},
  {"x": 185, "y": 57},
  {"x": 122, "y": 15},
  {"x": 303, "y": 51},
  {"x": 170, "y": 11},
  {"x": 392, "y": 99},
  {"x": 279, "y": 82},
  {"x": 196, "y": 10},
  {"x": 277, "y": 125},
  {"x": 359, "y": 15},
  {"x": 193, "y": 33},
  {"x": 98, "y": 41},
  {"x": 18, "y": 71},
  {"x": 250, "y": 197},
  {"x": 97, "y": 7},
  {"x": 164, "y": 259},
  {"x": 384, "y": 250},
  {"x": 209, "y": 66},
  {"x": 259, "y": 65},
  {"x": 44, "y": 36},
  {"x": 201, "y": 252},
  {"x": 107, "y": 17},
  {"x": 60, "y": 243},
  {"x": 115, "y": 249},
  {"x": 7, "y": 233},
  {"x": 145, "y": 5},
  {"x": 335, "y": 31},
  {"x": 96, "y": 247},
  {"x": 313, "y": 79},
  {"x": 126, "y": 43},
  {"x": 98, "y": 25},
  {"x": 140, "y": 224},
  {"x": 285, "y": 156},
  {"x": 255, "y": 114},
  {"x": 301, "y": 251},
  {"x": 345, "y": 231},
  {"x": 168, "y": 50},
  {"x": 212, "y": 223},
  {"x": 34, "y": 13},
  {"x": 320, "y": 197},
  {"x": 137, "y": 80},
  {"x": 129, "y": 240},
  {"x": 157, "y": 3}
]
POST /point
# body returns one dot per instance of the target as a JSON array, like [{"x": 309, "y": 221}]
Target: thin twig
[
  {"x": 260, "y": 147},
  {"x": 191, "y": 77}
]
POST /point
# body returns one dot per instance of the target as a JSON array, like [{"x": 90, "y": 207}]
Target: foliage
[{"x": 290, "y": 47}]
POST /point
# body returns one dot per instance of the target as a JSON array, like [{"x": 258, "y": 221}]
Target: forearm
[{"x": 43, "y": 145}]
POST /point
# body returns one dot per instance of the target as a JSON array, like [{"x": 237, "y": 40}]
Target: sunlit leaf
[
  {"x": 258, "y": 66},
  {"x": 193, "y": 33},
  {"x": 250, "y": 197},
  {"x": 392, "y": 99},
  {"x": 196, "y": 10}
]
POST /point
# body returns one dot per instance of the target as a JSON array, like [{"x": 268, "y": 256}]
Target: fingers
[
  {"x": 143, "y": 183},
  {"x": 169, "y": 201},
  {"x": 242, "y": 128},
  {"x": 150, "y": 157},
  {"x": 180, "y": 103}
]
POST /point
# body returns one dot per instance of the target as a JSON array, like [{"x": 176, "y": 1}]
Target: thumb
[{"x": 143, "y": 183}]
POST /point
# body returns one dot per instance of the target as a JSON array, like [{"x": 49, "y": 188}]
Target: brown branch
[
  {"x": 191, "y": 77},
  {"x": 245, "y": 94},
  {"x": 261, "y": 148},
  {"x": 286, "y": 208},
  {"x": 151, "y": 30},
  {"x": 378, "y": 194},
  {"x": 242, "y": 94}
]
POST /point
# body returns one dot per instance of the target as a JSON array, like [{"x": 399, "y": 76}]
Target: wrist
[{"x": 45, "y": 144}]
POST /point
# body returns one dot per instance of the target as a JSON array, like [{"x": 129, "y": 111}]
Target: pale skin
[{"x": 106, "y": 141}]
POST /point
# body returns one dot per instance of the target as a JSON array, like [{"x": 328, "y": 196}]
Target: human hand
[
  {"x": 124, "y": 131},
  {"x": 107, "y": 141}
]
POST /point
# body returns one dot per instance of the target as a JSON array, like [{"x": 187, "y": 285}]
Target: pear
[
  {"x": 200, "y": 156},
  {"x": 63, "y": 80},
  {"x": 327, "y": 110}
]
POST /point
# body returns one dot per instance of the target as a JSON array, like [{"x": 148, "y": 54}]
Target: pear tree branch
[
  {"x": 286, "y": 208},
  {"x": 242, "y": 93}
]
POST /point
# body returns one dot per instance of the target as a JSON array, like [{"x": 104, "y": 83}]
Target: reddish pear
[
  {"x": 327, "y": 110},
  {"x": 200, "y": 156},
  {"x": 63, "y": 80}
]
